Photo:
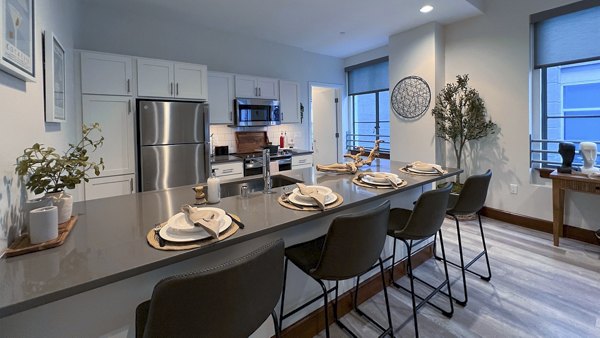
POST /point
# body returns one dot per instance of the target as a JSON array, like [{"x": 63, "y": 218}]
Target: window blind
[
  {"x": 567, "y": 36},
  {"x": 368, "y": 77}
]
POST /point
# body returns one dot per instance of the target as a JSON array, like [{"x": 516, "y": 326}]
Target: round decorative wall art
[{"x": 411, "y": 97}]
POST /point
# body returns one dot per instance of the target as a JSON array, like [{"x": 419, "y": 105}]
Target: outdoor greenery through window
[
  {"x": 567, "y": 73},
  {"x": 369, "y": 105}
]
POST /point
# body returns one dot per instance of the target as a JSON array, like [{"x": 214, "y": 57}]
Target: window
[
  {"x": 567, "y": 73},
  {"x": 369, "y": 105}
]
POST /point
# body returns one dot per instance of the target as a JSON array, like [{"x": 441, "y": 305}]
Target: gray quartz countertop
[
  {"x": 296, "y": 151},
  {"x": 108, "y": 242},
  {"x": 225, "y": 159}
]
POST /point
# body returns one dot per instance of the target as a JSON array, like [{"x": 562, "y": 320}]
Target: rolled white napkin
[{"x": 313, "y": 193}]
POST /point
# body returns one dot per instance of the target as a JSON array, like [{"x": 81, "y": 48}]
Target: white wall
[
  {"x": 415, "y": 52},
  {"x": 22, "y": 111},
  {"x": 143, "y": 31},
  {"x": 494, "y": 49}
]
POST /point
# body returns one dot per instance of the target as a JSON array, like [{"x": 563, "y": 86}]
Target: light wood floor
[{"x": 537, "y": 290}]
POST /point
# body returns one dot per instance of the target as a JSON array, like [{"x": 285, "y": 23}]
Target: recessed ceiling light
[{"x": 426, "y": 9}]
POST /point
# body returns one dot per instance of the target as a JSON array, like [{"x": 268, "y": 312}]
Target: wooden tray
[
  {"x": 250, "y": 141},
  {"x": 22, "y": 245}
]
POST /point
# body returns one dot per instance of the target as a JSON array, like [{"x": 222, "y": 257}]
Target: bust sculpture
[
  {"x": 567, "y": 152},
  {"x": 588, "y": 151}
]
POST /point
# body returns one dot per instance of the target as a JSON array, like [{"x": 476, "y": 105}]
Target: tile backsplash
[{"x": 225, "y": 136}]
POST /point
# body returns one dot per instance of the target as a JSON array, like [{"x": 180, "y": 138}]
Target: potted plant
[
  {"x": 47, "y": 171},
  {"x": 460, "y": 117}
]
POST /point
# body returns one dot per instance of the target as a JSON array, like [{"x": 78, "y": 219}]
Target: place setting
[
  {"x": 193, "y": 227},
  {"x": 310, "y": 198},
  {"x": 423, "y": 169},
  {"x": 379, "y": 180}
]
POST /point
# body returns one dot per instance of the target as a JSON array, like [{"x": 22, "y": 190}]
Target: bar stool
[
  {"x": 352, "y": 245},
  {"x": 469, "y": 201},
  {"x": 414, "y": 227},
  {"x": 230, "y": 300}
]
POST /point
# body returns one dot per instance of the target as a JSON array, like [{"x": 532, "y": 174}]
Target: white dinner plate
[
  {"x": 380, "y": 179},
  {"x": 370, "y": 180},
  {"x": 181, "y": 223},
  {"x": 174, "y": 236},
  {"x": 320, "y": 189},
  {"x": 430, "y": 172},
  {"x": 294, "y": 198}
]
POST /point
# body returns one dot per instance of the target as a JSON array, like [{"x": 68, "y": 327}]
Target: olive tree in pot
[
  {"x": 47, "y": 171},
  {"x": 460, "y": 117}
]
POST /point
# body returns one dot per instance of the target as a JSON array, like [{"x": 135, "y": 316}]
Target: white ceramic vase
[{"x": 64, "y": 203}]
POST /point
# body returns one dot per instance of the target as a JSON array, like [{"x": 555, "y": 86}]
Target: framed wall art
[
  {"x": 54, "y": 78},
  {"x": 17, "y": 38}
]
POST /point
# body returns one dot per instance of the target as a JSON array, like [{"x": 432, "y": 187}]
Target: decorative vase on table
[{"x": 64, "y": 203}]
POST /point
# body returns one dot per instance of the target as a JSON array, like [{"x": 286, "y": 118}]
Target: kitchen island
[{"x": 106, "y": 267}]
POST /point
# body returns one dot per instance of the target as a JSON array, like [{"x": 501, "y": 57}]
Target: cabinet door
[
  {"x": 220, "y": 97},
  {"x": 245, "y": 86},
  {"x": 289, "y": 101},
  {"x": 102, "y": 187},
  {"x": 302, "y": 161},
  {"x": 115, "y": 115},
  {"x": 155, "y": 78},
  {"x": 268, "y": 88},
  {"x": 229, "y": 170},
  {"x": 191, "y": 81},
  {"x": 105, "y": 74}
]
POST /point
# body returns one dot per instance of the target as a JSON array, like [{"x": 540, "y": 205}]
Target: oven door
[{"x": 257, "y": 112}]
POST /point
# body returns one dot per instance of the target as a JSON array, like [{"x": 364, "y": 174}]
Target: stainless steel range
[{"x": 253, "y": 162}]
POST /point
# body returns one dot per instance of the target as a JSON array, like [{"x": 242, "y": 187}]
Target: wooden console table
[{"x": 560, "y": 183}]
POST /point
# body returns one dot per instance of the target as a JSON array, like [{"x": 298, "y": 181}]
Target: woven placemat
[
  {"x": 176, "y": 246},
  {"x": 358, "y": 182},
  {"x": 337, "y": 203},
  {"x": 405, "y": 171}
]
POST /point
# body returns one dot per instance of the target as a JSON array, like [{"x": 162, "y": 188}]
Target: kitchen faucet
[{"x": 267, "y": 171}]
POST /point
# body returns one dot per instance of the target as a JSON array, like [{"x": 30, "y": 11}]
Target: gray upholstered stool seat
[
  {"x": 229, "y": 300},
  {"x": 352, "y": 245}
]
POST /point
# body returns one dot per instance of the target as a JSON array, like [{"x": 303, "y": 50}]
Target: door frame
[{"x": 339, "y": 90}]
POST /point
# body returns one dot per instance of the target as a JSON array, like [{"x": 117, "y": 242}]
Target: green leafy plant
[
  {"x": 460, "y": 116},
  {"x": 47, "y": 171}
]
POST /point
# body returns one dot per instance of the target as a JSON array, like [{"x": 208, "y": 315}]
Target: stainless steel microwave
[{"x": 257, "y": 112}]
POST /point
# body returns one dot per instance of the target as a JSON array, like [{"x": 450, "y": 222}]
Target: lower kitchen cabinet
[
  {"x": 229, "y": 170},
  {"x": 302, "y": 161},
  {"x": 109, "y": 186}
]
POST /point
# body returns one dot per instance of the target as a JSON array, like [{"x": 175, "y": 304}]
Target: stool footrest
[
  {"x": 426, "y": 299},
  {"x": 468, "y": 265},
  {"x": 303, "y": 306}
]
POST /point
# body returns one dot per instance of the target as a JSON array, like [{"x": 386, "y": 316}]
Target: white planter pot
[
  {"x": 34, "y": 204},
  {"x": 64, "y": 203}
]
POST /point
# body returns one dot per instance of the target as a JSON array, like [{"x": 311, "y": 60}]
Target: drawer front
[
  {"x": 582, "y": 186},
  {"x": 305, "y": 160},
  {"x": 227, "y": 169}
]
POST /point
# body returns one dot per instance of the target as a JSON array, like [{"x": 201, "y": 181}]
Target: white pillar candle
[{"x": 43, "y": 224}]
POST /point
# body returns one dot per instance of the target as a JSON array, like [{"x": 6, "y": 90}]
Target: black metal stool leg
[
  {"x": 447, "y": 314},
  {"x": 412, "y": 286},
  {"x": 487, "y": 259},
  {"x": 387, "y": 301},
  {"x": 285, "y": 269},
  {"x": 326, "y": 301},
  {"x": 393, "y": 262},
  {"x": 462, "y": 265},
  {"x": 276, "y": 324}
]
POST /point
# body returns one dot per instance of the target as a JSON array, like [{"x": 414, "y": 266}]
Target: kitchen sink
[{"x": 255, "y": 184}]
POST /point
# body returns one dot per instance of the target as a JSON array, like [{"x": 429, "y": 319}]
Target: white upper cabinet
[
  {"x": 115, "y": 115},
  {"x": 289, "y": 101},
  {"x": 220, "y": 97},
  {"x": 160, "y": 78},
  {"x": 106, "y": 74},
  {"x": 256, "y": 87}
]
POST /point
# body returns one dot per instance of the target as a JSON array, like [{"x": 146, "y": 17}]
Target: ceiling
[{"x": 339, "y": 28}]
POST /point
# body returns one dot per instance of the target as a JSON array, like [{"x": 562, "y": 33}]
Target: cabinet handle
[
  {"x": 259, "y": 91},
  {"x": 129, "y": 109},
  {"x": 255, "y": 91},
  {"x": 128, "y": 86},
  {"x": 230, "y": 116},
  {"x": 171, "y": 88},
  {"x": 227, "y": 171},
  {"x": 177, "y": 89},
  {"x": 131, "y": 184},
  {"x": 302, "y": 161}
]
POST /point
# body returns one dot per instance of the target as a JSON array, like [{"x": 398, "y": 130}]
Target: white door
[
  {"x": 105, "y": 74},
  {"x": 191, "y": 81},
  {"x": 155, "y": 78},
  {"x": 325, "y": 125},
  {"x": 220, "y": 97},
  {"x": 115, "y": 115},
  {"x": 245, "y": 86}
]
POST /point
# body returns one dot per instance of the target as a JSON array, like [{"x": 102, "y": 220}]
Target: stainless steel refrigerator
[{"x": 173, "y": 144}]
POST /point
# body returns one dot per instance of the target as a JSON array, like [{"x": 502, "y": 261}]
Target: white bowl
[
  {"x": 381, "y": 177},
  {"x": 320, "y": 189}
]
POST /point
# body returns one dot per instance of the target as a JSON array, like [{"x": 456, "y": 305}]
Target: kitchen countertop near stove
[
  {"x": 297, "y": 152},
  {"x": 108, "y": 243},
  {"x": 225, "y": 159}
]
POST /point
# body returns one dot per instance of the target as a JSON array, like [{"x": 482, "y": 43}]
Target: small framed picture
[
  {"x": 55, "y": 79},
  {"x": 17, "y": 38}
]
